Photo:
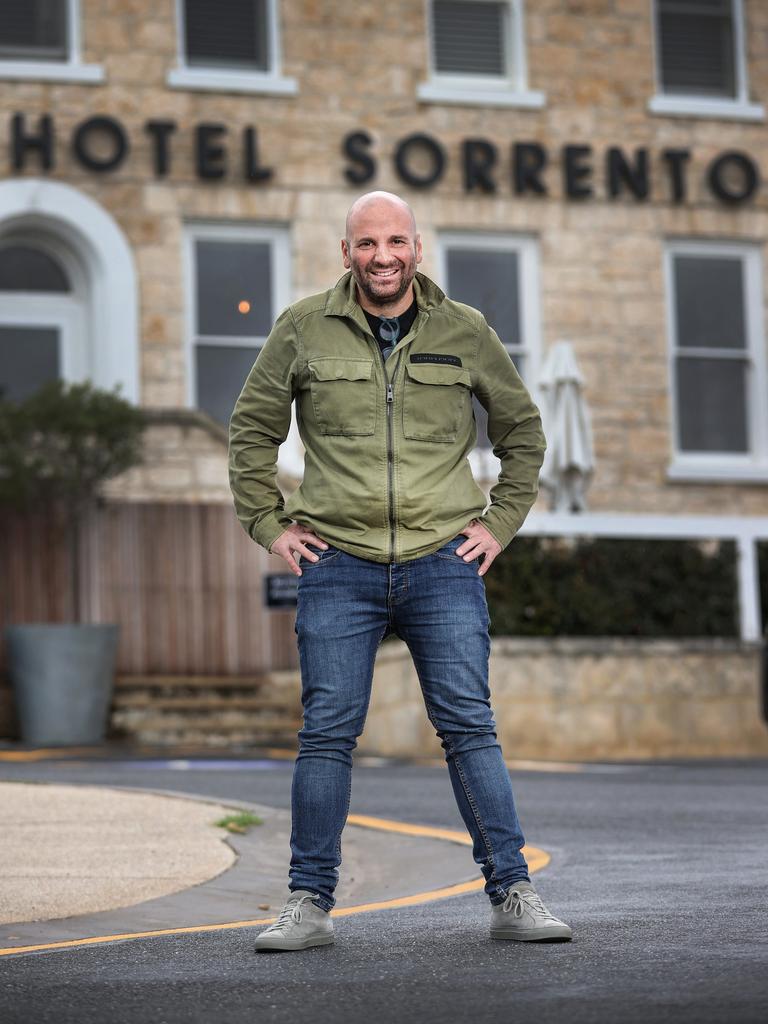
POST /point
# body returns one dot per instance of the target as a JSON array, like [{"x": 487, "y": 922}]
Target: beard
[{"x": 379, "y": 292}]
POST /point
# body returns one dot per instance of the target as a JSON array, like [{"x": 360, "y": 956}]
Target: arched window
[
  {"x": 41, "y": 328},
  {"x": 68, "y": 296}
]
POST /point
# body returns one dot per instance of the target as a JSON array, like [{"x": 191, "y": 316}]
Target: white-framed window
[
  {"x": 717, "y": 361},
  {"x": 230, "y": 45},
  {"x": 477, "y": 54},
  {"x": 43, "y": 331},
  {"x": 499, "y": 275},
  {"x": 238, "y": 282},
  {"x": 700, "y": 60},
  {"x": 41, "y": 39}
]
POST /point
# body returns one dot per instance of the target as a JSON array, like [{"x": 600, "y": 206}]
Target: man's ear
[
  {"x": 345, "y": 254},
  {"x": 419, "y": 250}
]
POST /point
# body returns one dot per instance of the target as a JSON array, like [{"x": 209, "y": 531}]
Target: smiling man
[{"x": 382, "y": 368}]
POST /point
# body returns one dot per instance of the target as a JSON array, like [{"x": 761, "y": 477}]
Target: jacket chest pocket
[
  {"x": 436, "y": 401},
  {"x": 343, "y": 394}
]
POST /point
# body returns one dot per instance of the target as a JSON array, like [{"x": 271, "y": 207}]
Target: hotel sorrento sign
[{"x": 101, "y": 144}]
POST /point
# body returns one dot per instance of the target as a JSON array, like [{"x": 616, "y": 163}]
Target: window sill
[
  {"x": 51, "y": 72},
  {"x": 717, "y": 473},
  {"x": 471, "y": 95},
  {"x": 231, "y": 81},
  {"x": 693, "y": 106}
]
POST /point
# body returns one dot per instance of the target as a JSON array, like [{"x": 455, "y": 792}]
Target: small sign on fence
[{"x": 280, "y": 589}]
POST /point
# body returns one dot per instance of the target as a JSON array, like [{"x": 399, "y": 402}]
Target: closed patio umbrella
[{"x": 569, "y": 459}]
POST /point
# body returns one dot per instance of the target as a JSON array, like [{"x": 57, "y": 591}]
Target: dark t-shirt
[{"x": 405, "y": 320}]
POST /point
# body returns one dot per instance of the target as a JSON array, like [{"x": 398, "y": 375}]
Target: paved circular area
[{"x": 80, "y": 849}]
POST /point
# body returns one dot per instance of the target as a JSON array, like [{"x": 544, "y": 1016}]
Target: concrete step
[
  {"x": 208, "y": 710},
  {"x": 203, "y": 702},
  {"x": 169, "y": 682}
]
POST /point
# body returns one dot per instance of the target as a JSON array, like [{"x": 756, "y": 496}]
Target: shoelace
[
  {"x": 290, "y": 912},
  {"x": 516, "y": 898}
]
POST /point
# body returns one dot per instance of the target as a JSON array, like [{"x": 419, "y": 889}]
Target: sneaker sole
[
  {"x": 277, "y": 945},
  {"x": 535, "y": 935}
]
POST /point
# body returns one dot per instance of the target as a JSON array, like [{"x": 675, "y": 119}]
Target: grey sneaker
[
  {"x": 523, "y": 916},
  {"x": 301, "y": 923}
]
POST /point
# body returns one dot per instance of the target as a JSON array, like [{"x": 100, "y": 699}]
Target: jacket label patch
[{"x": 435, "y": 357}]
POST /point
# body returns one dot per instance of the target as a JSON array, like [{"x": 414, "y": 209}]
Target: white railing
[{"x": 745, "y": 530}]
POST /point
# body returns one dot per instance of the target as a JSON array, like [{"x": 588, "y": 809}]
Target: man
[{"x": 382, "y": 368}]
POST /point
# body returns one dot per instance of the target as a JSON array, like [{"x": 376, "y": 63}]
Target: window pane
[
  {"x": 696, "y": 47},
  {"x": 234, "y": 288},
  {"x": 228, "y": 33},
  {"x": 34, "y": 29},
  {"x": 220, "y": 373},
  {"x": 712, "y": 405},
  {"x": 24, "y": 269},
  {"x": 709, "y": 292},
  {"x": 488, "y": 280},
  {"x": 469, "y": 37},
  {"x": 29, "y": 358}
]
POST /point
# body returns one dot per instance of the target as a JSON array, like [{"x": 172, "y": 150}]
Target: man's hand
[
  {"x": 296, "y": 538},
  {"x": 480, "y": 542}
]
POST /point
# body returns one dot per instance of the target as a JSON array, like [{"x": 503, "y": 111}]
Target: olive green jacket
[{"x": 386, "y": 473}]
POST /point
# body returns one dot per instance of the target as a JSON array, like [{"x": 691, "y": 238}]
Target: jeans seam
[
  {"x": 468, "y": 794},
  {"x": 349, "y": 788},
  {"x": 478, "y": 819}
]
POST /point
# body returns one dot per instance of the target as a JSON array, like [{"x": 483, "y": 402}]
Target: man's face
[{"x": 382, "y": 251}]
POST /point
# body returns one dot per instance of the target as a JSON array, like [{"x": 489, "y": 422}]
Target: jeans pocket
[
  {"x": 448, "y": 551},
  {"x": 325, "y": 555}
]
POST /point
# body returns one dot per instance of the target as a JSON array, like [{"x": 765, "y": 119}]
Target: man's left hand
[{"x": 480, "y": 542}]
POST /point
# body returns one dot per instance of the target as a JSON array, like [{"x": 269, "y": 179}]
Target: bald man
[{"x": 389, "y": 533}]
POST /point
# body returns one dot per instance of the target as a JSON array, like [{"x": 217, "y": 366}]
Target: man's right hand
[{"x": 295, "y": 539}]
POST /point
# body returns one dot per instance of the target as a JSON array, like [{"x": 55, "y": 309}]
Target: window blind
[
  {"x": 470, "y": 37},
  {"x": 696, "y": 47},
  {"x": 33, "y": 29},
  {"x": 227, "y": 34}
]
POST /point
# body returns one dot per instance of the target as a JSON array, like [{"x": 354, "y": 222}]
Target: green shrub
[
  {"x": 57, "y": 449},
  {"x": 543, "y": 586}
]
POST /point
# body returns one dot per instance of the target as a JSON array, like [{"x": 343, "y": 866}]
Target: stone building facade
[
  {"x": 591, "y": 170},
  {"x": 176, "y": 172}
]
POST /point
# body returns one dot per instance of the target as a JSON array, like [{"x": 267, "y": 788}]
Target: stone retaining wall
[{"x": 590, "y": 699}]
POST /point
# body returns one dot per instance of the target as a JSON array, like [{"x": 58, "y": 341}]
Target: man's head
[{"x": 382, "y": 249}]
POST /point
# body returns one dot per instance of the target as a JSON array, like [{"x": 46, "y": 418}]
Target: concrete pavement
[
  {"x": 660, "y": 869},
  {"x": 83, "y": 862}
]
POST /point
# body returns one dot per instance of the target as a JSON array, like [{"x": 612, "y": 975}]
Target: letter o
[
  {"x": 716, "y": 175},
  {"x": 436, "y": 155}
]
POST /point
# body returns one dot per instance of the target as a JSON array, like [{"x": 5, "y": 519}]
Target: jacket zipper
[
  {"x": 390, "y": 446},
  {"x": 390, "y": 452}
]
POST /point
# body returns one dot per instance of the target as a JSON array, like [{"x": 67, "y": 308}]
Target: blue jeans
[{"x": 346, "y": 606}]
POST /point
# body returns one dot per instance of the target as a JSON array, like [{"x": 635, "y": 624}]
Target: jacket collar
[{"x": 342, "y": 300}]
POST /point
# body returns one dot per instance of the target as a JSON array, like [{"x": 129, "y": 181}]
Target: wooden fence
[{"x": 184, "y": 582}]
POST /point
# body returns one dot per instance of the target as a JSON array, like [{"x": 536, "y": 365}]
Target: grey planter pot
[{"x": 62, "y": 677}]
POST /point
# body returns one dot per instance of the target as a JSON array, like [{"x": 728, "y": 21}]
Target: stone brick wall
[
  {"x": 184, "y": 460},
  {"x": 590, "y": 699},
  {"x": 358, "y": 66}
]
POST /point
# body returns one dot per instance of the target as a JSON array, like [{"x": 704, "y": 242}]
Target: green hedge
[{"x": 542, "y": 586}]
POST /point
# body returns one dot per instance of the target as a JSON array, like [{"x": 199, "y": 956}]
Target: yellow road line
[
  {"x": 537, "y": 859},
  {"x": 43, "y": 753}
]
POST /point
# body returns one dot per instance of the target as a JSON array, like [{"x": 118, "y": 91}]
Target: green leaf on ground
[{"x": 239, "y": 822}]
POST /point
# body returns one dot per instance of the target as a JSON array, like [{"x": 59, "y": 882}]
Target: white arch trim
[{"x": 95, "y": 237}]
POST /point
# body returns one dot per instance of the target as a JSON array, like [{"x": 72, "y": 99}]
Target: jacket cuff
[
  {"x": 269, "y": 529},
  {"x": 494, "y": 526}
]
